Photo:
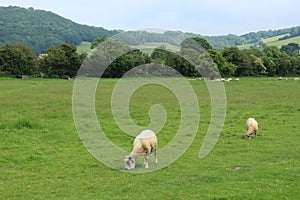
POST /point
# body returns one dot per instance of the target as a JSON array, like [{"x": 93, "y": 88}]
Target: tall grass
[{"x": 41, "y": 155}]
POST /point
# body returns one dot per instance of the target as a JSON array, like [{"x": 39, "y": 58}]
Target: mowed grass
[{"x": 42, "y": 157}]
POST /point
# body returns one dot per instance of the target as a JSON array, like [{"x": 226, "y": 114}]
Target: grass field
[
  {"x": 84, "y": 47},
  {"x": 273, "y": 41},
  {"x": 285, "y": 42},
  {"x": 42, "y": 157}
]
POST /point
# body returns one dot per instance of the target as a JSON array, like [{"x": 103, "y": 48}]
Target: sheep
[
  {"x": 280, "y": 78},
  {"x": 144, "y": 144},
  {"x": 296, "y": 79},
  {"x": 251, "y": 127}
]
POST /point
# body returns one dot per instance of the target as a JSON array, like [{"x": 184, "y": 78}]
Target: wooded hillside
[{"x": 40, "y": 29}]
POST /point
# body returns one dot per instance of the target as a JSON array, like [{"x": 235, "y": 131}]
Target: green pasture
[
  {"x": 84, "y": 47},
  {"x": 274, "y": 41},
  {"x": 285, "y": 42},
  {"x": 42, "y": 157}
]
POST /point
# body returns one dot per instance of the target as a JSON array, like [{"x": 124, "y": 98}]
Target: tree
[
  {"x": 197, "y": 43},
  {"x": 17, "y": 59},
  {"x": 61, "y": 61},
  {"x": 225, "y": 68},
  {"x": 295, "y": 61},
  {"x": 175, "y": 61},
  {"x": 125, "y": 63},
  {"x": 272, "y": 56},
  {"x": 284, "y": 65},
  {"x": 98, "y": 41},
  {"x": 291, "y": 49}
]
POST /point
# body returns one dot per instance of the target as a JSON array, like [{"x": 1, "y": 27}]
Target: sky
[{"x": 209, "y": 17}]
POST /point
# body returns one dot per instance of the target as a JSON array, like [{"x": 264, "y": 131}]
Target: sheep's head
[
  {"x": 129, "y": 162},
  {"x": 248, "y": 134}
]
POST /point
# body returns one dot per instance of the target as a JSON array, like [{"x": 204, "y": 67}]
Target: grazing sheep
[
  {"x": 296, "y": 79},
  {"x": 237, "y": 79},
  {"x": 252, "y": 127},
  {"x": 144, "y": 144},
  {"x": 280, "y": 78}
]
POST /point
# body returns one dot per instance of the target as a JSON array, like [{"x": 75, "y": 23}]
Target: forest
[{"x": 39, "y": 29}]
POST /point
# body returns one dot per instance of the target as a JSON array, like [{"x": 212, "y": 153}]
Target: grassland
[
  {"x": 42, "y": 157},
  {"x": 285, "y": 42},
  {"x": 274, "y": 41},
  {"x": 84, "y": 47}
]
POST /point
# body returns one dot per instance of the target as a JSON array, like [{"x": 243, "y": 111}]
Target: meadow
[
  {"x": 42, "y": 156},
  {"x": 274, "y": 41}
]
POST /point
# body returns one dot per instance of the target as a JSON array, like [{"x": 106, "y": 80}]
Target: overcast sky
[{"x": 209, "y": 17}]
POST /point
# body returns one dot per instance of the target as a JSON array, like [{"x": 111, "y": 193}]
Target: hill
[
  {"x": 172, "y": 39},
  {"x": 41, "y": 29},
  {"x": 291, "y": 35}
]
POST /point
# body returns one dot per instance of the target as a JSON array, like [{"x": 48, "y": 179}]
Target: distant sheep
[
  {"x": 144, "y": 144},
  {"x": 252, "y": 127},
  {"x": 296, "y": 79}
]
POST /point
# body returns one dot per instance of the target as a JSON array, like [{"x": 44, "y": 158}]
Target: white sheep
[
  {"x": 296, "y": 79},
  {"x": 251, "y": 126},
  {"x": 144, "y": 144}
]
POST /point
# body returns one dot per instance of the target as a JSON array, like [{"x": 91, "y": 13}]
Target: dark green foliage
[
  {"x": 125, "y": 63},
  {"x": 175, "y": 61},
  {"x": 98, "y": 41},
  {"x": 291, "y": 49},
  {"x": 61, "y": 61},
  {"x": 17, "y": 59},
  {"x": 40, "y": 29},
  {"x": 225, "y": 68}
]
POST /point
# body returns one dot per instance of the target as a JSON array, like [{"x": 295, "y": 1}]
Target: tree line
[{"x": 64, "y": 60}]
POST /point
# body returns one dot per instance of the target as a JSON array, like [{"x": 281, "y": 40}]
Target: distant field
[
  {"x": 147, "y": 48},
  {"x": 84, "y": 47},
  {"x": 42, "y": 157},
  {"x": 285, "y": 42},
  {"x": 274, "y": 41}
]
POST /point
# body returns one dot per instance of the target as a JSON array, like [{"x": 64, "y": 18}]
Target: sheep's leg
[
  {"x": 155, "y": 155},
  {"x": 146, "y": 159}
]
